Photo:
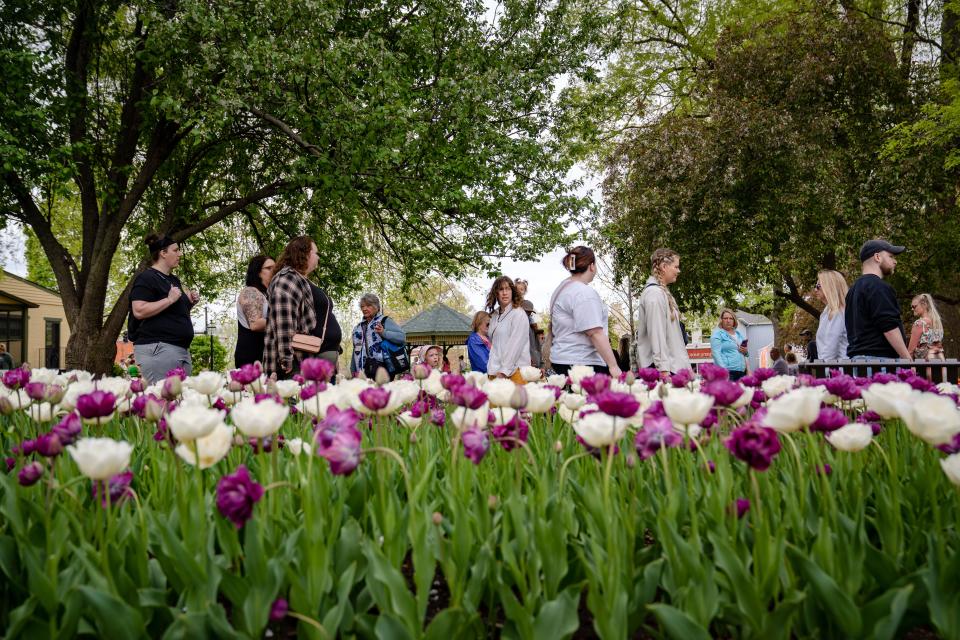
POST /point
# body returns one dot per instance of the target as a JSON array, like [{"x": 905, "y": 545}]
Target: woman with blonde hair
[
  {"x": 728, "y": 346},
  {"x": 831, "y": 289},
  {"x": 509, "y": 331},
  {"x": 926, "y": 337},
  {"x": 478, "y": 344},
  {"x": 660, "y": 339}
]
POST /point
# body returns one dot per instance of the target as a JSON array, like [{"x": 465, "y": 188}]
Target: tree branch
[
  {"x": 287, "y": 130},
  {"x": 229, "y": 209}
]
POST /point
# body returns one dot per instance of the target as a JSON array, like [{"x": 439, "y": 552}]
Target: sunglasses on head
[
  {"x": 520, "y": 281},
  {"x": 817, "y": 286}
]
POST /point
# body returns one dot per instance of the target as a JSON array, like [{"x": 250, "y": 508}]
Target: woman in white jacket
[
  {"x": 832, "y": 331},
  {"x": 660, "y": 342},
  {"x": 509, "y": 331}
]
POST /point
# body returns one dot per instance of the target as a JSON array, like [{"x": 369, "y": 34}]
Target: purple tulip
[
  {"x": 741, "y": 506},
  {"x": 177, "y": 372},
  {"x": 337, "y": 419},
  {"x": 711, "y": 372},
  {"x": 711, "y": 466},
  {"x": 825, "y": 469},
  {"x": 649, "y": 375},
  {"x": 764, "y": 374},
  {"x": 236, "y": 495},
  {"x": 247, "y": 374},
  {"x": 278, "y": 611},
  {"x": 36, "y": 390},
  {"x": 16, "y": 378},
  {"x": 161, "y": 433},
  {"x": 595, "y": 384},
  {"x": 68, "y": 429},
  {"x": 951, "y": 447},
  {"x": 508, "y": 434},
  {"x": 709, "y": 421},
  {"x": 843, "y": 387},
  {"x": 136, "y": 385},
  {"x": 724, "y": 392},
  {"x": 28, "y": 446},
  {"x": 96, "y": 404},
  {"x": 759, "y": 397},
  {"x": 172, "y": 386},
  {"x": 317, "y": 369},
  {"x": 749, "y": 380},
  {"x": 476, "y": 444},
  {"x": 754, "y": 445},
  {"x": 438, "y": 417},
  {"x": 118, "y": 489},
  {"x": 451, "y": 381},
  {"x": 375, "y": 398},
  {"x": 615, "y": 403},
  {"x": 681, "y": 378},
  {"x": 921, "y": 384},
  {"x": 806, "y": 380},
  {"x": 49, "y": 445},
  {"x": 883, "y": 378},
  {"x": 341, "y": 449},
  {"x": 311, "y": 390},
  {"x": 829, "y": 419},
  {"x": 657, "y": 433},
  {"x": 468, "y": 396},
  {"x": 30, "y": 474}
]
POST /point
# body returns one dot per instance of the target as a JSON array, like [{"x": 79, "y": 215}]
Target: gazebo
[{"x": 439, "y": 325}]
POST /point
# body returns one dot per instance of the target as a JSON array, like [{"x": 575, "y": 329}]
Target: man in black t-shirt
[{"x": 872, "y": 315}]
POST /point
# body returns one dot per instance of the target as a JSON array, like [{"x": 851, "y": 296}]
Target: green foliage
[
  {"x": 200, "y": 354},
  {"x": 776, "y": 172}
]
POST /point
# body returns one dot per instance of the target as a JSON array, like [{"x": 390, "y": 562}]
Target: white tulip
[
  {"x": 432, "y": 384},
  {"x": 18, "y": 399},
  {"x": 744, "y": 399},
  {"x": 464, "y": 418},
  {"x": 42, "y": 411},
  {"x": 101, "y": 458},
  {"x": 951, "y": 467},
  {"x": 478, "y": 378},
  {"x": 258, "y": 419},
  {"x": 499, "y": 391},
  {"x": 405, "y": 391},
  {"x": 853, "y": 437},
  {"x": 557, "y": 380},
  {"x": 287, "y": 388},
  {"x": 46, "y": 376},
  {"x": 685, "y": 407},
  {"x": 206, "y": 383},
  {"x": 210, "y": 449},
  {"x": 407, "y": 420},
  {"x": 776, "y": 385},
  {"x": 794, "y": 410},
  {"x": 948, "y": 389},
  {"x": 885, "y": 398},
  {"x": 531, "y": 374},
  {"x": 933, "y": 418},
  {"x": 567, "y": 414},
  {"x": 317, "y": 405},
  {"x": 692, "y": 431},
  {"x": 579, "y": 372},
  {"x": 193, "y": 398},
  {"x": 503, "y": 415},
  {"x": 190, "y": 422},
  {"x": 539, "y": 399},
  {"x": 79, "y": 376},
  {"x": 599, "y": 429},
  {"x": 296, "y": 446},
  {"x": 572, "y": 401},
  {"x": 119, "y": 387}
]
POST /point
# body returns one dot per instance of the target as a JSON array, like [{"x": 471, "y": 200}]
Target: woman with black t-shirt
[
  {"x": 159, "y": 323},
  {"x": 327, "y": 328},
  {"x": 252, "y": 311}
]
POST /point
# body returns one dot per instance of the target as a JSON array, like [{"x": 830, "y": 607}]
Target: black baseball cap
[{"x": 872, "y": 247}]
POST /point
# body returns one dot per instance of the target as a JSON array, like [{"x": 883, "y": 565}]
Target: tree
[
  {"x": 777, "y": 172},
  {"x": 200, "y": 354},
  {"x": 418, "y": 132}
]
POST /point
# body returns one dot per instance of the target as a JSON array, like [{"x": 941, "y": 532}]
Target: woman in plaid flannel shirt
[{"x": 291, "y": 307}]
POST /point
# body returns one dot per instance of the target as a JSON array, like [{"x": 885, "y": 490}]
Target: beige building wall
[{"x": 14, "y": 290}]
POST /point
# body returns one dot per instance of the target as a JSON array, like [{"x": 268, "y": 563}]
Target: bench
[{"x": 935, "y": 371}]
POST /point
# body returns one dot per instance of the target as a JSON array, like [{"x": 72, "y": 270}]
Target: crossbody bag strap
[{"x": 326, "y": 318}]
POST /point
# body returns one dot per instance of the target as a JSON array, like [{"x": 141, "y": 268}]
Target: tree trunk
[{"x": 909, "y": 37}]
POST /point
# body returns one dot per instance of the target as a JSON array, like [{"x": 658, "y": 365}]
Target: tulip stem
[
  {"x": 277, "y": 485},
  {"x": 396, "y": 456},
  {"x": 566, "y": 463},
  {"x": 307, "y": 619},
  {"x": 606, "y": 477}
]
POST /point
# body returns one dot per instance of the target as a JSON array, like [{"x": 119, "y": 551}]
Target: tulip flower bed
[{"x": 444, "y": 506}]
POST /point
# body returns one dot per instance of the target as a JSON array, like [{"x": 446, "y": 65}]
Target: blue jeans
[{"x": 872, "y": 359}]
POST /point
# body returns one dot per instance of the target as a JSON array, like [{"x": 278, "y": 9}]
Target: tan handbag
[
  {"x": 308, "y": 343},
  {"x": 548, "y": 339}
]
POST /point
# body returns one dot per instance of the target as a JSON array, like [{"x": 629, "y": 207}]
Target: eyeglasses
[{"x": 817, "y": 286}]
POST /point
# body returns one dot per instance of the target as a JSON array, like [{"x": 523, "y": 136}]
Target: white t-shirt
[{"x": 576, "y": 309}]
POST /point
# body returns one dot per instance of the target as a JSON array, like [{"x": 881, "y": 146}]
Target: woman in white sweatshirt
[
  {"x": 660, "y": 340},
  {"x": 509, "y": 331}
]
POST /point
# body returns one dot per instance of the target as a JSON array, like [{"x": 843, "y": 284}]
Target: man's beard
[{"x": 886, "y": 271}]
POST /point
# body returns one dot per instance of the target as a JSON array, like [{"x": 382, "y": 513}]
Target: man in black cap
[
  {"x": 811, "y": 344},
  {"x": 872, "y": 316}
]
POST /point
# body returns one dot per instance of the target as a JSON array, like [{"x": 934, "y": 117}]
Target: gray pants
[{"x": 156, "y": 359}]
